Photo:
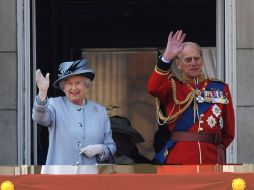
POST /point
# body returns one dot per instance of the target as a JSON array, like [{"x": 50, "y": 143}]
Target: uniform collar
[{"x": 193, "y": 81}]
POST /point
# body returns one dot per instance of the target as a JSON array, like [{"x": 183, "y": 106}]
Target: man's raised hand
[{"x": 174, "y": 45}]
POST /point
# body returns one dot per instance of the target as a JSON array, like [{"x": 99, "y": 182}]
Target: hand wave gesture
[
  {"x": 174, "y": 45},
  {"x": 42, "y": 83}
]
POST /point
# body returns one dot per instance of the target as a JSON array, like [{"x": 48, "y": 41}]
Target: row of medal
[{"x": 211, "y": 96}]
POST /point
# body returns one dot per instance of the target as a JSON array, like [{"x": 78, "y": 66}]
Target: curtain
[{"x": 109, "y": 87}]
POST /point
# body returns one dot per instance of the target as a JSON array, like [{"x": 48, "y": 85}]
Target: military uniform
[{"x": 199, "y": 116}]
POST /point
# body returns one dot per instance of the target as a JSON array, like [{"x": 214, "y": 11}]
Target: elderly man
[{"x": 198, "y": 114}]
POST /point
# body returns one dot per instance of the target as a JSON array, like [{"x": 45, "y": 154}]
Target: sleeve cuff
[
  {"x": 164, "y": 60},
  {"x": 162, "y": 65},
  {"x": 40, "y": 102}
]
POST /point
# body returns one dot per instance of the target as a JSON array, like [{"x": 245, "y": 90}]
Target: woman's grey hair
[{"x": 87, "y": 82}]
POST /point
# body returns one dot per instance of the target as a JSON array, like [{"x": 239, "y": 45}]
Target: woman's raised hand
[{"x": 42, "y": 84}]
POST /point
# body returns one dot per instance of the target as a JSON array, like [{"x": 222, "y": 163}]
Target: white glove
[
  {"x": 92, "y": 150},
  {"x": 42, "y": 84}
]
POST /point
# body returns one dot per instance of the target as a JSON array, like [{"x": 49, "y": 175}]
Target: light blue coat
[{"x": 73, "y": 127}]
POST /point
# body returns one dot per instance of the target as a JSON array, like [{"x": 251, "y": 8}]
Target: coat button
[
  {"x": 79, "y": 109},
  {"x": 80, "y": 124}
]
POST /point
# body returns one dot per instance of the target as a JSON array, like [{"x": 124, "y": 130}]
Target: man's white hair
[{"x": 192, "y": 44}]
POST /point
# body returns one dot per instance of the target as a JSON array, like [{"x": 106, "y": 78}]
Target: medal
[
  {"x": 199, "y": 97},
  {"x": 211, "y": 121},
  {"x": 213, "y": 96},
  {"x": 221, "y": 122},
  {"x": 216, "y": 110}
]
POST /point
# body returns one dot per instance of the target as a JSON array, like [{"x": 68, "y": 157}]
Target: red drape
[{"x": 160, "y": 181}]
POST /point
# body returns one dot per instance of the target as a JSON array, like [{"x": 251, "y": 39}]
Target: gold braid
[
  {"x": 174, "y": 94},
  {"x": 170, "y": 118}
]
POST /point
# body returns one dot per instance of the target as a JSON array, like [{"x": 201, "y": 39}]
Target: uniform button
[
  {"x": 80, "y": 124},
  {"x": 79, "y": 109}
]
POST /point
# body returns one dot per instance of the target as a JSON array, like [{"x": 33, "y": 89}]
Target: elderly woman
[{"x": 79, "y": 129}]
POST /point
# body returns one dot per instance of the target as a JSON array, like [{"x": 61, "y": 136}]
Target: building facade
[{"x": 18, "y": 62}]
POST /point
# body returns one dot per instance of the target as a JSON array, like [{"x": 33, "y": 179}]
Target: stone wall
[
  {"x": 245, "y": 79},
  {"x": 8, "y": 83}
]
